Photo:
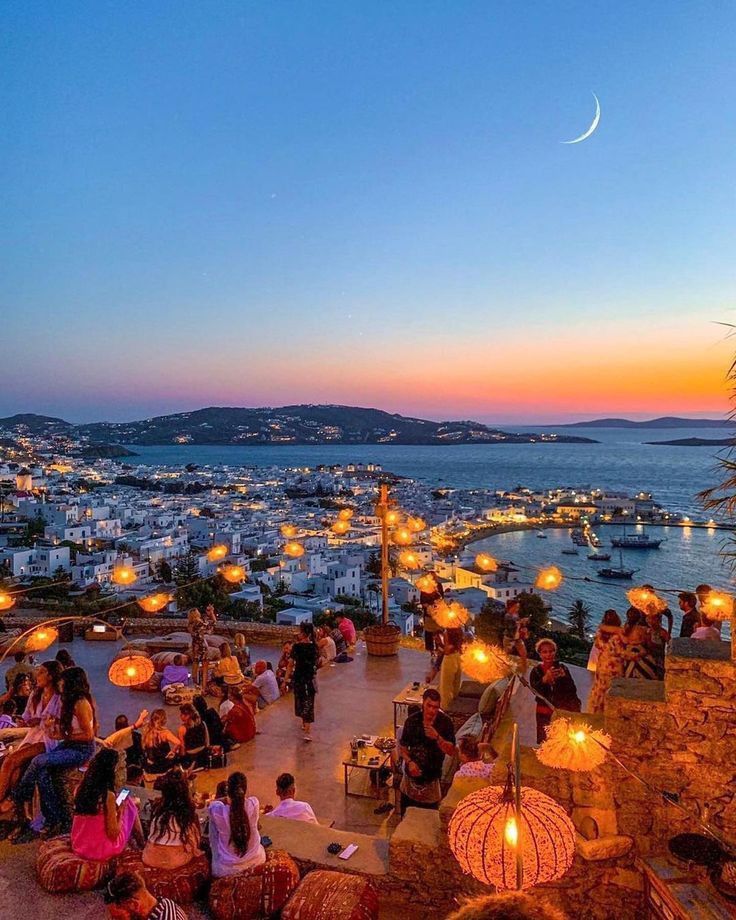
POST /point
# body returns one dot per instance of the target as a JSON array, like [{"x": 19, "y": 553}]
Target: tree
[
  {"x": 373, "y": 565},
  {"x": 532, "y": 606},
  {"x": 187, "y": 567},
  {"x": 260, "y": 564},
  {"x": 578, "y": 616},
  {"x": 163, "y": 572},
  {"x": 489, "y": 624}
]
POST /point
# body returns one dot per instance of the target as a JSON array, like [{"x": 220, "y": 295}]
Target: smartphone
[
  {"x": 122, "y": 796},
  {"x": 266, "y": 841}
]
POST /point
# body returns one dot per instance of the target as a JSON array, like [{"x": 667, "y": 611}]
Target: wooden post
[
  {"x": 516, "y": 758},
  {"x": 383, "y": 506}
]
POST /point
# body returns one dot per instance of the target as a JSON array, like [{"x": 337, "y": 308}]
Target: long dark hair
[
  {"x": 200, "y": 704},
  {"x": 175, "y": 811},
  {"x": 65, "y": 659},
  {"x": 74, "y": 687},
  {"x": 53, "y": 669},
  {"x": 98, "y": 781},
  {"x": 237, "y": 789},
  {"x": 18, "y": 682},
  {"x": 307, "y": 629}
]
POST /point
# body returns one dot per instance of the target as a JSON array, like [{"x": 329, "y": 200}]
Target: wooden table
[
  {"x": 362, "y": 762},
  {"x": 409, "y": 696}
]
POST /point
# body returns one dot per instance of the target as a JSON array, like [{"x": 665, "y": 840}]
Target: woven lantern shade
[
  {"x": 40, "y": 639},
  {"x": 402, "y": 536},
  {"x": 340, "y": 527},
  {"x": 233, "y": 573},
  {"x": 293, "y": 549},
  {"x": 344, "y": 514},
  {"x": 393, "y": 518},
  {"x": 155, "y": 602},
  {"x": 449, "y": 616},
  {"x": 130, "y": 671},
  {"x": 288, "y": 531},
  {"x": 646, "y": 600},
  {"x": 416, "y": 524},
  {"x": 124, "y": 575},
  {"x": 484, "y": 836},
  {"x": 6, "y": 601},
  {"x": 409, "y": 559},
  {"x": 485, "y": 663},
  {"x": 486, "y": 563},
  {"x": 718, "y": 606},
  {"x": 573, "y": 746},
  {"x": 217, "y": 553},
  {"x": 549, "y": 579}
]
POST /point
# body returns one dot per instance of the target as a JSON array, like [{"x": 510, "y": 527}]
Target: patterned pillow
[
  {"x": 59, "y": 870},
  {"x": 326, "y": 895},
  {"x": 182, "y": 885},
  {"x": 257, "y": 892}
]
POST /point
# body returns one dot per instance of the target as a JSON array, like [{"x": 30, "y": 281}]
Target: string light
[
  {"x": 288, "y": 531},
  {"x": 155, "y": 602},
  {"x": 484, "y": 663},
  {"x": 449, "y": 616},
  {"x": 293, "y": 549},
  {"x": 646, "y": 600},
  {"x": 409, "y": 559},
  {"x": 217, "y": 553},
  {"x": 426, "y": 584},
  {"x": 393, "y": 518},
  {"x": 124, "y": 575},
  {"x": 6, "y": 601},
  {"x": 549, "y": 579},
  {"x": 340, "y": 527},
  {"x": 486, "y": 563},
  {"x": 233, "y": 573},
  {"x": 344, "y": 514},
  {"x": 718, "y": 606},
  {"x": 416, "y": 524},
  {"x": 402, "y": 536},
  {"x": 130, "y": 671},
  {"x": 573, "y": 746},
  {"x": 40, "y": 639}
]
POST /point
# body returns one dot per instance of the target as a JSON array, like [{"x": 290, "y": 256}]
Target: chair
[
  {"x": 255, "y": 893},
  {"x": 327, "y": 895},
  {"x": 60, "y": 870}
]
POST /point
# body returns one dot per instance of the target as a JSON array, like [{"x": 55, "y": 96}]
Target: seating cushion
[
  {"x": 182, "y": 885},
  {"x": 326, "y": 895},
  {"x": 257, "y": 892},
  {"x": 59, "y": 870}
]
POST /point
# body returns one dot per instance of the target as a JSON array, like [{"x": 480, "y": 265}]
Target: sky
[{"x": 368, "y": 203}]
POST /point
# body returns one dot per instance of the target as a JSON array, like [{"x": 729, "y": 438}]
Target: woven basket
[{"x": 382, "y": 640}]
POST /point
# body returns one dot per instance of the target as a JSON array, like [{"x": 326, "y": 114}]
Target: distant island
[
  {"x": 666, "y": 421},
  {"x": 287, "y": 425},
  {"x": 694, "y": 442}
]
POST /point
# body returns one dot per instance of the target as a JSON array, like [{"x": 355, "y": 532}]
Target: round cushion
[
  {"x": 60, "y": 870},
  {"x": 257, "y": 892},
  {"x": 182, "y": 885},
  {"x": 326, "y": 895},
  {"x": 161, "y": 659},
  {"x": 132, "y": 648}
]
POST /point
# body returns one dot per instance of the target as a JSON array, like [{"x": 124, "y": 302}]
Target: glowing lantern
[
  {"x": 449, "y": 616},
  {"x": 344, "y": 514},
  {"x": 402, "y": 536},
  {"x": 486, "y": 563},
  {"x": 124, "y": 575},
  {"x": 216, "y": 553},
  {"x": 393, "y": 518},
  {"x": 485, "y": 833},
  {"x": 233, "y": 573},
  {"x": 416, "y": 524},
  {"x": 288, "y": 531},
  {"x": 6, "y": 601},
  {"x": 426, "y": 584},
  {"x": 571, "y": 746},
  {"x": 646, "y": 600},
  {"x": 155, "y": 602},
  {"x": 131, "y": 671},
  {"x": 340, "y": 527},
  {"x": 549, "y": 579},
  {"x": 718, "y": 606},
  {"x": 485, "y": 663},
  {"x": 40, "y": 639},
  {"x": 293, "y": 549},
  {"x": 409, "y": 559}
]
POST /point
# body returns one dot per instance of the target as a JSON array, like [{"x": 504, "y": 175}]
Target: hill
[
  {"x": 35, "y": 424},
  {"x": 666, "y": 421}
]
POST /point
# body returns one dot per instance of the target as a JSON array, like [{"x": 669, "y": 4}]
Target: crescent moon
[{"x": 592, "y": 127}]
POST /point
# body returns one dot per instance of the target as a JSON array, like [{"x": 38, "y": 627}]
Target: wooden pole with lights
[{"x": 383, "y": 512}]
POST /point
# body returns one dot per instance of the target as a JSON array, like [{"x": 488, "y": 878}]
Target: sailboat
[
  {"x": 620, "y": 573},
  {"x": 636, "y": 541}
]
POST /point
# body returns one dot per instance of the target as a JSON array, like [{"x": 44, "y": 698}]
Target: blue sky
[{"x": 262, "y": 203}]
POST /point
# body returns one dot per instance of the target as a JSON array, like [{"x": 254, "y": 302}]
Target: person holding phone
[
  {"x": 103, "y": 821},
  {"x": 554, "y": 684}
]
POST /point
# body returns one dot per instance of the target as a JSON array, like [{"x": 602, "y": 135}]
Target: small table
[
  {"x": 409, "y": 696},
  {"x": 362, "y": 761}
]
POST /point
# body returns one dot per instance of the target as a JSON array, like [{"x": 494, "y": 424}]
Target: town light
[
  {"x": 6, "y": 601},
  {"x": 486, "y": 563},
  {"x": 340, "y": 527},
  {"x": 130, "y": 671},
  {"x": 409, "y": 559},
  {"x": 217, "y": 552},
  {"x": 233, "y": 573},
  {"x": 124, "y": 575},
  {"x": 293, "y": 549},
  {"x": 288, "y": 531},
  {"x": 571, "y": 746},
  {"x": 155, "y": 602},
  {"x": 344, "y": 514},
  {"x": 416, "y": 524},
  {"x": 549, "y": 579}
]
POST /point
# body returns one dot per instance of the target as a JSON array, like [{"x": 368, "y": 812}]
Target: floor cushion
[
  {"x": 257, "y": 892},
  {"x": 326, "y": 895},
  {"x": 59, "y": 870},
  {"x": 182, "y": 885}
]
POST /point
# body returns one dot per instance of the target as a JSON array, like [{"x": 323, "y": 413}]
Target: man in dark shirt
[
  {"x": 688, "y": 603},
  {"x": 427, "y": 738}
]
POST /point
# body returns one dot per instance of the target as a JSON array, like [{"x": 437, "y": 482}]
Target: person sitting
[
  {"x": 553, "y": 683},
  {"x": 65, "y": 659},
  {"x": 128, "y": 740},
  {"x": 289, "y": 806},
  {"x": 211, "y": 718},
  {"x": 235, "y": 838},
  {"x": 265, "y": 683},
  {"x": 21, "y": 666},
  {"x": 471, "y": 764},
  {"x": 160, "y": 746},
  {"x": 101, "y": 828},
  {"x": 227, "y": 669},
  {"x": 341, "y": 646},
  {"x": 227, "y": 703},
  {"x": 174, "y": 835},
  {"x": 175, "y": 673},
  {"x": 194, "y": 738},
  {"x": 347, "y": 628},
  {"x": 707, "y": 630},
  {"x": 7, "y": 719},
  {"x": 326, "y": 646},
  {"x": 242, "y": 652},
  {"x": 127, "y": 898},
  {"x": 282, "y": 668},
  {"x": 19, "y": 692},
  {"x": 240, "y": 723}
]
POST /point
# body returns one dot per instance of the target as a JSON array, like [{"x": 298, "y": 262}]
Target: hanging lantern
[
  {"x": 131, "y": 671},
  {"x": 449, "y": 616},
  {"x": 416, "y": 524},
  {"x": 486, "y": 563},
  {"x": 485, "y": 663},
  {"x": 124, "y": 575},
  {"x": 573, "y": 746},
  {"x": 409, "y": 560},
  {"x": 40, "y": 639},
  {"x": 718, "y": 606},
  {"x": 549, "y": 579},
  {"x": 293, "y": 549},
  {"x": 155, "y": 602},
  {"x": 288, "y": 531},
  {"x": 646, "y": 600},
  {"x": 484, "y": 835},
  {"x": 217, "y": 553},
  {"x": 393, "y": 518},
  {"x": 6, "y": 601},
  {"x": 340, "y": 527},
  {"x": 426, "y": 584},
  {"x": 233, "y": 573},
  {"x": 344, "y": 514},
  {"x": 402, "y": 536}
]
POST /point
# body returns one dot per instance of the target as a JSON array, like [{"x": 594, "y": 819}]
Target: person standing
[
  {"x": 688, "y": 604},
  {"x": 451, "y": 668},
  {"x": 553, "y": 683},
  {"x": 197, "y": 630},
  {"x": 515, "y": 631},
  {"x": 427, "y": 599},
  {"x": 303, "y": 676},
  {"x": 347, "y": 628},
  {"x": 610, "y": 662},
  {"x": 427, "y": 738}
]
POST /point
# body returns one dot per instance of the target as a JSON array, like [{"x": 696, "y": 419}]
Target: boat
[
  {"x": 570, "y": 552},
  {"x": 636, "y": 541},
  {"x": 578, "y": 537},
  {"x": 599, "y": 557},
  {"x": 541, "y": 535},
  {"x": 595, "y": 540},
  {"x": 620, "y": 573}
]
